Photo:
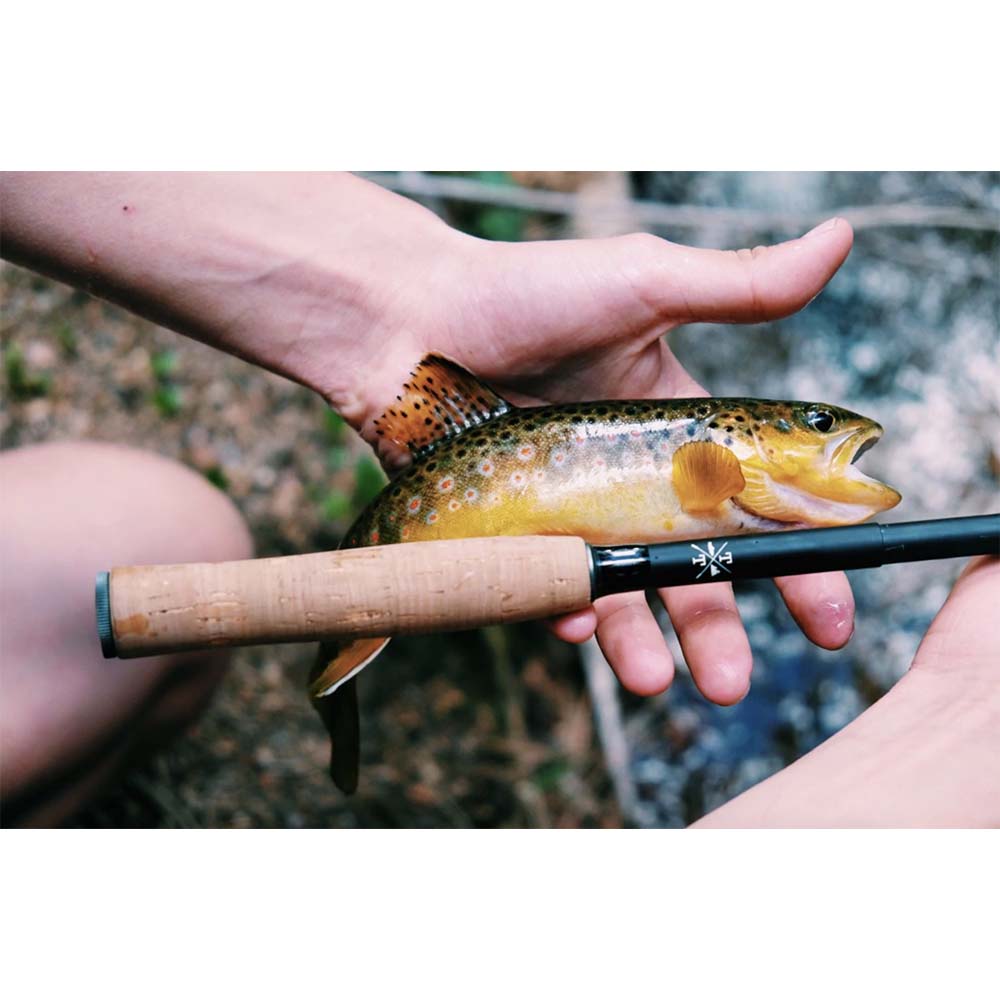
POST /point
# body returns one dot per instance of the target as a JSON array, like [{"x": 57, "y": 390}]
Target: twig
[
  {"x": 603, "y": 689},
  {"x": 651, "y": 213}
]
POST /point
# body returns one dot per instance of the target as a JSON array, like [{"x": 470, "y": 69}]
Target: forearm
[
  {"x": 927, "y": 754},
  {"x": 291, "y": 271}
]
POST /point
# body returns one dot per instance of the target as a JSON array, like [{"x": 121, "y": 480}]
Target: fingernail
[{"x": 823, "y": 227}]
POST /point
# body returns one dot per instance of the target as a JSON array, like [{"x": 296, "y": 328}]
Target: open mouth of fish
[
  {"x": 845, "y": 450},
  {"x": 842, "y": 494}
]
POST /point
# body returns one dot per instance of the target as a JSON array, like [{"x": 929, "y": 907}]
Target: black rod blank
[{"x": 620, "y": 568}]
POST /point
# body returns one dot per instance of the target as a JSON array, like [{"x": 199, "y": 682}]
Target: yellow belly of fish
[{"x": 610, "y": 512}]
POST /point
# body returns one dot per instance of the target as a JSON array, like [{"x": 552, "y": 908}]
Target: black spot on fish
[
  {"x": 714, "y": 424},
  {"x": 691, "y": 430},
  {"x": 740, "y": 419}
]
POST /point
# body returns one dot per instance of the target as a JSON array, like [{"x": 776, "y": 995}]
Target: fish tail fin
[{"x": 334, "y": 694}]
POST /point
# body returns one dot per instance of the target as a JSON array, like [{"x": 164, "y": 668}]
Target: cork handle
[{"x": 379, "y": 591}]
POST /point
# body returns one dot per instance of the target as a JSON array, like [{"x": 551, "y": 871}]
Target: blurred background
[{"x": 508, "y": 727}]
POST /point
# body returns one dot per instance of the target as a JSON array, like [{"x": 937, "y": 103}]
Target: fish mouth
[
  {"x": 846, "y": 449},
  {"x": 834, "y": 492},
  {"x": 849, "y": 486}
]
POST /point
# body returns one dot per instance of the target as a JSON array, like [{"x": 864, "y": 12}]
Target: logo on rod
[{"x": 712, "y": 560}]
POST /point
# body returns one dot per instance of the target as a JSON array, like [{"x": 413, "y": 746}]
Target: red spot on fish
[
  {"x": 517, "y": 479},
  {"x": 538, "y": 475},
  {"x": 373, "y": 537},
  {"x": 636, "y": 434},
  {"x": 471, "y": 494},
  {"x": 558, "y": 457},
  {"x": 414, "y": 505},
  {"x": 526, "y": 452},
  {"x": 486, "y": 467},
  {"x": 432, "y": 517},
  {"x": 405, "y": 534},
  {"x": 446, "y": 485},
  {"x": 454, "y": 505}
]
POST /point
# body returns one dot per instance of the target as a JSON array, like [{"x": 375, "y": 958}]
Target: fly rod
[{"x": 438, "y": 586}]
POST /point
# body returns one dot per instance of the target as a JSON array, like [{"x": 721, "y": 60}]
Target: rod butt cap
[{"x": 102, "y": 604}]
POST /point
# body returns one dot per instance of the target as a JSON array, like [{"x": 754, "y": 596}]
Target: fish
[{"x": 609, "y": 471}]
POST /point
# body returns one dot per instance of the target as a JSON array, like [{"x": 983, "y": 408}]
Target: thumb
[{"x": 745, "y": 286}]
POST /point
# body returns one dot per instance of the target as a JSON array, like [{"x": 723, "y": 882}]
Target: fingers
[
  {"x": 576, "y": 627},
  {"x": 823, "y": 606},
  {"x": 745, "y": 286},
  {"x": 633, "y": 644},
  {"x": 713, "y": 639}
]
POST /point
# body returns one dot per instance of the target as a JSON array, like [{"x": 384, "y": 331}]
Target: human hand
[
  {"x": 343, "y": 286},
  {"x": 585, "y": 319},
  {"x": 926, "y": 754}
]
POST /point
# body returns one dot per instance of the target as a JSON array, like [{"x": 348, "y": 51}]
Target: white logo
[{"x": 712, "y": 561}]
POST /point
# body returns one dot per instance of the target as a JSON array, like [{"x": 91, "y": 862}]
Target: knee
[
  {"x": 71, "y": 510},
  {"x": 125, "y": 505}
]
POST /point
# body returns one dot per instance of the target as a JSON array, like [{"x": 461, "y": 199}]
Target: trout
[{"x": 611, "y": 471}]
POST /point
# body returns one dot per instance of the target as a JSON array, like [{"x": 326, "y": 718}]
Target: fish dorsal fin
[
  {"x": 440, "y": 400},
  {"x": 705, "y": 474}
]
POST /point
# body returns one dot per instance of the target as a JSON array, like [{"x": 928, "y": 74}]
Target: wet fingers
[{"x": 713, "y": 639}]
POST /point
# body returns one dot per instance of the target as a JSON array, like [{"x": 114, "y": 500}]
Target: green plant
[
  {"x": 368, "y": 481},
  {"x": 334, "y": 426},
  {"x": 22, "y": 382},
  {"x": 168, "y": 400},
  {"x": 217, "y": 477},
  {"x": 167, "y": 397},
  {"x": 336, "y": 506},
  {"x": 66, "y": 336},
  {"x": 164, "y": 364}
]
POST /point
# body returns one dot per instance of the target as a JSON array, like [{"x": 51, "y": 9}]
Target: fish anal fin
[
  {"x": 334, "y": 694},
  {"x": 705, "y": 474},
  {"x": 337, "y": 662},
  {"x": 440, "y": 400}
]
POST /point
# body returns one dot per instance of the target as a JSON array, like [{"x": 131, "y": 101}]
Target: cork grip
[{"x": 379, "y": 591}]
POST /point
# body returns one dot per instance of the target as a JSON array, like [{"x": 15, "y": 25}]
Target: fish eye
[{"x": 820, "y": 420}]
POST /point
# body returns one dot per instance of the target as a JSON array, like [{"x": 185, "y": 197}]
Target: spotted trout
[{"x": 611, "y": 471}]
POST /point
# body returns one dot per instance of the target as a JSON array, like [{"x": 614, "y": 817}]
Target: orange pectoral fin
[{"x": 705, "y": 474}]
